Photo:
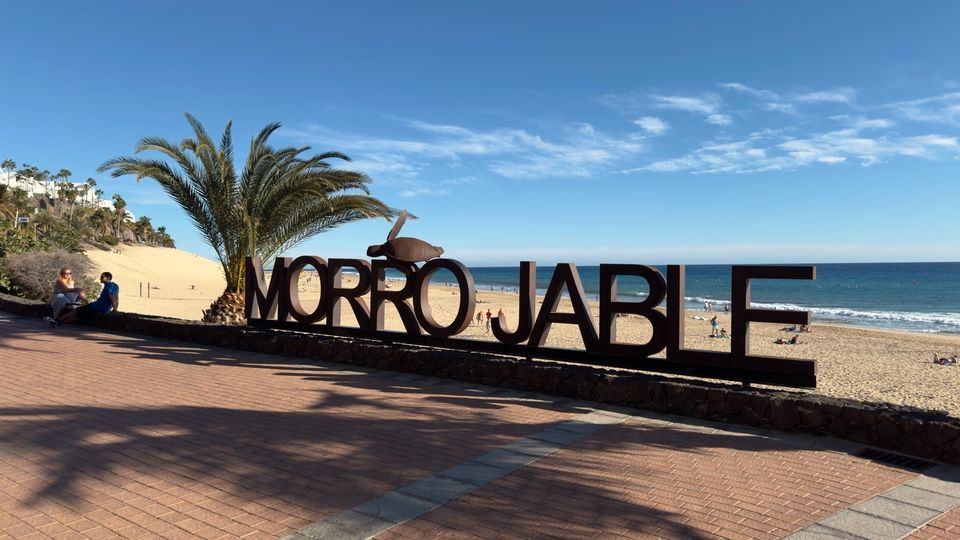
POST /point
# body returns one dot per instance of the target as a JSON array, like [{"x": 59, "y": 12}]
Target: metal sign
[
  {"x": 277, "y": 305},
  {"x": 23, "y": 219}
]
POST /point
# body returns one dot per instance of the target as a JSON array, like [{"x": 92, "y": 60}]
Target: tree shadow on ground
[{"x": 345, "y": 448}]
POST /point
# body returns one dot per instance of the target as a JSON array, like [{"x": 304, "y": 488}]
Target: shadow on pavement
[{"x": 324, "y": 458}]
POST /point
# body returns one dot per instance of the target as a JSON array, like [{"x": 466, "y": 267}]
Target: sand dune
[
  {"x": 161, "y": 281},
  {"x": 866, "y": 364}
]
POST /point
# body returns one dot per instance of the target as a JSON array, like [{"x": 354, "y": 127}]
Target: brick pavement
[
  {"x": 105, "y": 435},
  {"x": 947, "y": 527}
]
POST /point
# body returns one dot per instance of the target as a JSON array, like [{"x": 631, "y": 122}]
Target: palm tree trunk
[{"x": 228, "y": 309}]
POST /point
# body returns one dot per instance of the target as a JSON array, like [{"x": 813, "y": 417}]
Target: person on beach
[
  {"x": 714, "y": 326},
  {"x": 726, "y": 308},
  {"x": 65, "y": 292},
  {"x": 793, "y": 340},
  {"x": 723, "y": 333},
  {"x": 944, "y": 361},
  {"x": 501, "y": 316},
  {"x": 107, "y": 302},
  {"x": 489, "y": 316},
  {"x": 479, "y": 317}
]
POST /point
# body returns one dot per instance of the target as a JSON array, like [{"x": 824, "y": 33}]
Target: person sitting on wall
[
  {"x": 66, "y": 295},
  {"x": 107, "y": 302}
]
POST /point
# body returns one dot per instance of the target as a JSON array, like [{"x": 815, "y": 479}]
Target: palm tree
[
  {"x": 100, "y": 220},
  {"x": 143, "y": 229},
  {"x": 162, "y": 238},
  {"x": 8, "y": 165},
  {"x": 20, "y": 202},
  {"x": 119, "y": 215},
  {"x": 6, "y": 209},
  {"x": 279, "y": 198},
  {"x": 89, "y": 185}
]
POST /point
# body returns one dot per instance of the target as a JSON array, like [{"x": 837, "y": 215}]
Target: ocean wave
[
  {"x": 701, "y": 300},
  {"x": 934, "y": 322}
]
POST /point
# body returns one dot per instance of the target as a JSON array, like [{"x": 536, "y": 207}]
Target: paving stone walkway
[{"x": 119, "y": 436}]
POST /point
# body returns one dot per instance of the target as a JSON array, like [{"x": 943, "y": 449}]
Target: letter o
[
  {"x": 293, "y": 291},
  {"x": 421, "y": 300}
]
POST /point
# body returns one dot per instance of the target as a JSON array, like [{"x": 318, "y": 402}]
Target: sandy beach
[{"x": 866, "y": 364}]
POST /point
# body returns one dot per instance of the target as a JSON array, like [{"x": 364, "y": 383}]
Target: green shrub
[
  {"x": 62, "y": 235},
  {"x": 20, "y": 240},
  {"x": 32, "y": 274},
  {"x": 109, "y": 240}
]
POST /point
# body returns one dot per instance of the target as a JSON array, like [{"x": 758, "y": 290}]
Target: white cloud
[
  {"x": 787, "y": 108},
  {"x": 944, "y": 108},
  {"x": 423, "y": 191},
  {"x": 652, "y": 125},
  {"x": 776, "y": 151},
  {"x": 844, "y": 95},
  {"x": 763, "y": 94},
  {"x": 463, "y": 180},
  {"x": 384, "y": 164},
  {"x": 719, "y": 119},
  {"x": 578, "y": 149},
  {"x": 871, "y": 123},
  {"x": 706, "y": 105}
]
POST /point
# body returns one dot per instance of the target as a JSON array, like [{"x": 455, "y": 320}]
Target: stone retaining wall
[{"x": 909, "y": 430}]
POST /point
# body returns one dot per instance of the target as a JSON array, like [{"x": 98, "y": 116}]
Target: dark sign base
[{"x": 656, "y": 365}]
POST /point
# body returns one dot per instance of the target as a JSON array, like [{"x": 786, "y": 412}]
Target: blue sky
[{"x": 680, "y": 132}]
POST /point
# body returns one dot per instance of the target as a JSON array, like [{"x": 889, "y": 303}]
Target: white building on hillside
[{"x": 85, "y": 195}]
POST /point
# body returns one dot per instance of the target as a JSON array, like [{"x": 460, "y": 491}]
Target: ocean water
[{"x": 916, "y": 297}]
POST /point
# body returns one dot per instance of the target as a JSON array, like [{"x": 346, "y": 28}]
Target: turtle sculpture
[{"x": 404, "y": 250}]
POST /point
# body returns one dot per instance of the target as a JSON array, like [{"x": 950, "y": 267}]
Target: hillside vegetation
[{"x": 44, "y": 213}]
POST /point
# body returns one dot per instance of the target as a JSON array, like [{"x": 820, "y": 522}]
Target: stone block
[
  {"x": 811, "y": 418},
  {"x": 716, "y": 395},
  {"x": 868, "y": 417},
  {"x": 783, "y": 413},
  {"x": 760, "y": 404},
  {"x": 939, "y": 433},
  {"x": 888, "y": 428},
  {"x": 612, "y": 389},
  {"x": 838, "y": 428},
  {"x": 850, "y": 415}
]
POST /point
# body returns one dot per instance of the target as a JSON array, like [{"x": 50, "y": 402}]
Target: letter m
[{"x": 260, "y": 305}]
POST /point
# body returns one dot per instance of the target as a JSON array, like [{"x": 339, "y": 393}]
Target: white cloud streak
[
  {"x": 861, "y": 140},
  {"x": 942, "y": 109},
  {"x": 719, "y": 119},
  {"x": 705, "y": 105},
  {"x": 423, "y": 191},
  {"x": 652, "y": 125},
  {"x": 578, "y": 149},
  {"x": 844, "y": 95}
]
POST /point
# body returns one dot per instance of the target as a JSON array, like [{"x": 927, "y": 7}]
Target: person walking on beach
[
  {"x": 714, "y": 325},
  {"x": 109, "y": 301},
  {"x": 479, "y": 317},
  {"x": 489, "y": 316}
]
